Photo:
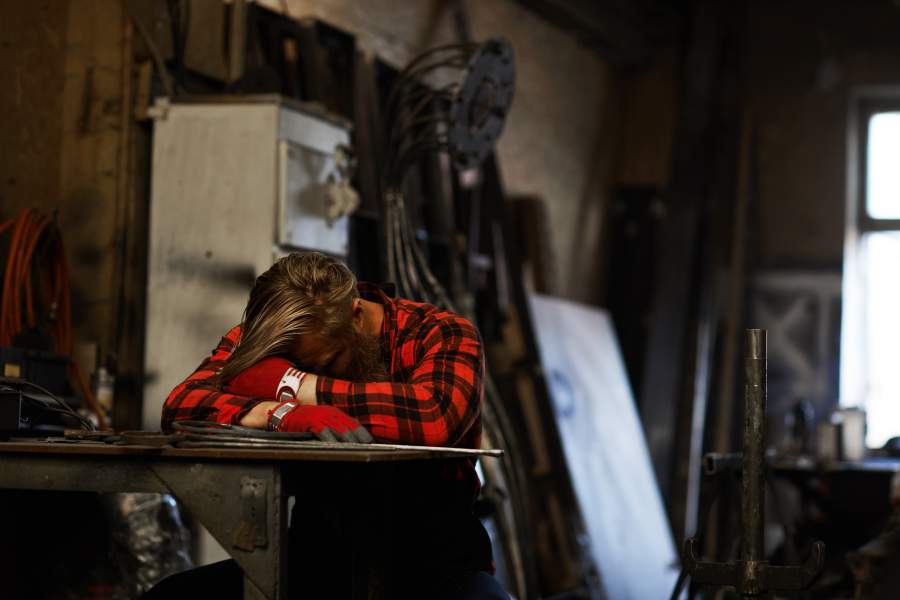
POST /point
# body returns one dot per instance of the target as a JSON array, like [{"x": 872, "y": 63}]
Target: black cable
[
  {"x": 389, "y": 200},
  {"x": 49, "y": 409},
  {"x": 398, "y": 249},
  {"x": 12, "y": 382},
  {"x": 463, "y": 47},
  {"x": 85, "y": 423},
  {"x": 420, "y": 100},
  {"x": 409, "y": 262},
  {"x": 416, "y": 126},
  {"x": 412, "y": 155},
  {"x": 414, "y": 67}
]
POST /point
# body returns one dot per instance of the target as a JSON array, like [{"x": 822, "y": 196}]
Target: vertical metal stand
[
  {"x": 752, "y": 575},
  {"x": 753, "y": 513}
]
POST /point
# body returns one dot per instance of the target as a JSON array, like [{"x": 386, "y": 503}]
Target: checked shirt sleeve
[
  {"x": 438, "y": 404},
  {"x": 198, "y": 399}
]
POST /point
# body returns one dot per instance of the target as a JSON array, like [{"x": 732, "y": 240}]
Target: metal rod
[
  {"x": 752, "y": 575},
  {"x": 753, "y": 483}
]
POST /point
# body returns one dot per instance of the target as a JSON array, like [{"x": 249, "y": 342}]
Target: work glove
[
  {"x": 272, "y": 377},
  {"x": 278, "y": 378},
  {"x": 327, "y": 423}
]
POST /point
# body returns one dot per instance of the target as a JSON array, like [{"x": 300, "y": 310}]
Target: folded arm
[
  {"x": 435, "y": 407},
  {"x": 197, "y": 398},
  {"x": 438, "y": 404}
]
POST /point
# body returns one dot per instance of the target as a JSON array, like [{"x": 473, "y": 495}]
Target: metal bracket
[
  {"x": 252, "y": 530},
  {"x": 160, "y": 109},
  {"x": 755, "y": 577},
  {"x": 243, "y": 506}
]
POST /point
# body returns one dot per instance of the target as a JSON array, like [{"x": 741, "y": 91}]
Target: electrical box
[{"x": 236, "y": 182}]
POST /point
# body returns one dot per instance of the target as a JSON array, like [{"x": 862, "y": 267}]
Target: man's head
[{"x": 307, "y": 306}]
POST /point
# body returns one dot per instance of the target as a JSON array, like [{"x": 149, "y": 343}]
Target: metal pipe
[
  {"x": 752, "y": 575},
  {"x": 753, "y": 480}
]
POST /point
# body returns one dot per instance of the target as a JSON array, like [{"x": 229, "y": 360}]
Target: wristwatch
[{"x": 277, "y": 414}]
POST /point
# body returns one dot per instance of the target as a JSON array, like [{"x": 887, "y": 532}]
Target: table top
[
  {"x": 244, "y": 451},
  {"x": 868, "y": 465}
]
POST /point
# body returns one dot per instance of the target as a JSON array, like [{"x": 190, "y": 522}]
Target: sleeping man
[{"x": 319, "y": 352}]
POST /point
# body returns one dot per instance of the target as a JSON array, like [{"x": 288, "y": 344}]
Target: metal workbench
[{"x": 239, "y": 494}]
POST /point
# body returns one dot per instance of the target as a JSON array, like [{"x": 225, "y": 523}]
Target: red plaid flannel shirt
[{"x": 433, "y": 397}]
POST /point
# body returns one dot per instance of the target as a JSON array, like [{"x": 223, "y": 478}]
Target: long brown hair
[{"x": 300, "y": 293}]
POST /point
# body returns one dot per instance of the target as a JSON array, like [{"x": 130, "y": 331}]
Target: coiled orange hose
[{"x": 37, "y": 241}]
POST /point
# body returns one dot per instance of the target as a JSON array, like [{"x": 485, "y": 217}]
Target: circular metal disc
[{"x": 480, "y": 107}]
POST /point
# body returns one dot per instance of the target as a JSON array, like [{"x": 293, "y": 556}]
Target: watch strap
[
  {"x": 290, "y": 383},
  {"x": 277, "y": 414}
]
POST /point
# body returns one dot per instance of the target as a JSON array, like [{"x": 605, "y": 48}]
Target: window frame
[
  {"x": 864, "y": 102},
  {"x": 867, "y": 107}
]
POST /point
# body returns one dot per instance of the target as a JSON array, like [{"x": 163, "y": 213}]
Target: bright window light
[
  {"x": 880, "y": 257},
  {"x": 883, "y": 174},
  {"x": 870, "y": 336}
]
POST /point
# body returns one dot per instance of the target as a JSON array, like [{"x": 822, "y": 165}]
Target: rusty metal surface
[
  {"x": 78, "y": 473},
  {"x": 217, "y": 494}
]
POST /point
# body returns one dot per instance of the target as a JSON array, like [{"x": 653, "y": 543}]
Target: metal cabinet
[{"x": 236, "y": 182}]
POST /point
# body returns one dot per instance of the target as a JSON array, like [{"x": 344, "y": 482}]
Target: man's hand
[{"x": 325, "y": 422}]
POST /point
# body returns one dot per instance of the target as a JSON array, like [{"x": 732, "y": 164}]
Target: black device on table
[{"x": 28, "y": 409}]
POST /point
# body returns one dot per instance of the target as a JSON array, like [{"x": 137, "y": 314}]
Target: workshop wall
[
  {"x": 63, "y": 144},
  {"x": 32, "y": 63},
  {"x": 648, "y": 109},
  {"x": 804, "y": 58},
  {"x": 72, "y": 147},
  {"x": 559, "y": 136}
]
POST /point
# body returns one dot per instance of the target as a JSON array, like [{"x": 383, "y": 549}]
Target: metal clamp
[{"x": 251, "y": 531}]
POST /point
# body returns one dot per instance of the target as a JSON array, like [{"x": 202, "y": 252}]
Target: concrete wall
[
  {"x": 558, "y": 141},
  {"x": 804, "y": 57},
  {"x": 63, "y": 141}
]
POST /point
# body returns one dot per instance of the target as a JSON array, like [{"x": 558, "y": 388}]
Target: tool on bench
[
  {"x": 752, "y": 575},
  {"x": 205, "y": 434},
  {"x": 209, "y": 431}
]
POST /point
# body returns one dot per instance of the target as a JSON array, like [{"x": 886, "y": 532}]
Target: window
[
  {"x": 882, "y": 174},
  {"x": 870, "y": 345}
]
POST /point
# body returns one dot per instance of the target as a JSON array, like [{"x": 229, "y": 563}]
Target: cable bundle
[
  {"x": 36, "y": 241},
  {"x": 18, "y": 300},
  {"x": 462, "y": 118}
]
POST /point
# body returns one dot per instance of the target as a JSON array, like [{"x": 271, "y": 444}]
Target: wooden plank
[{"x": 677, "y": 364}]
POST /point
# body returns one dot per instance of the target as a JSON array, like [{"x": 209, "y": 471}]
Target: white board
[{"x": 605, "y": 450}]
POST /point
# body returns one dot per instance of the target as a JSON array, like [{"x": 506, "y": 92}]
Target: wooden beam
[{"x": 678, "y": 362}]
